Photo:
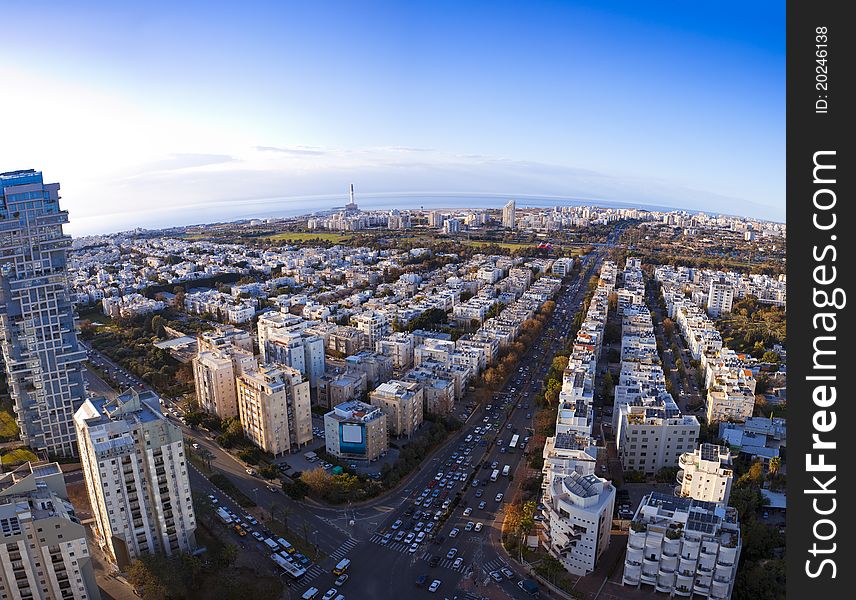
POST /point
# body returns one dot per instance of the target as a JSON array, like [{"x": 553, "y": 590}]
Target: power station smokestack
[{"x": 352, "y": 193}]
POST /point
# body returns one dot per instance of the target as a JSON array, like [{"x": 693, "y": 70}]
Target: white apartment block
[
  {"x": 562, "y": 267},
  {"x": 299, "y": 350},
  {"x": 277, "y": 322},
  {"x": 43, "y": 549},
  {"x": 275, "y": 409},
  {"x": 136, "y": 475},
  {"x": 683, "y": 547},
  {"x": 403, "y": 404},
  {"x": 705, "y": 474},
  {"x": 720, "y": 297},
  {"x": 214, "y": 374},
  {"x": 729, "y": 400},
  {"x": 373, "y": 324},
  {"x": 225, "y": 337},
  {"x": 578, "y": 518},
  {"x": 398, "y": 346},
  {"x": 508, "y": 214},
  {"x": 652, "y": 434}
]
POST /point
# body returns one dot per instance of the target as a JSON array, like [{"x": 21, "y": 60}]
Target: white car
[
  {"x": 413, "y": 548},
  {"x": 498, "y": 497},
  {"x": 451, "y": 553},
  {"x": 458, "y": 562},
  {"x": 331, "y": 593},
  {"x": 478, "y": 527},
  {"x": 409, "y": 538},
  {"x": 469, "y": 526},
  {"x": 454, "y": 533},
  {"x": 468, "y": 511},
  {"x": 397, "y": 524},
  {"x": 435, "y": 585}
]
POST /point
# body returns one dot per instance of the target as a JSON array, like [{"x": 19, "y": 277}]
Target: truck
[
  {"x": 494, "y": 475},
  {"x": 505, "y": 470},
  {"x": 224, "y": 516}
]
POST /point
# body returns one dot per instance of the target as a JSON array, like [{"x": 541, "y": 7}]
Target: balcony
[{"x": 679, "y": 477}]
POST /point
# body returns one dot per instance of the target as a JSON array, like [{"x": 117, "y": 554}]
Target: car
[
  {"x": 538, "y": 518},
  {"x": 469, "y": 526},
  {"x": 397, "y": 524},
  {"x": 454, "y": 533},
  {"x": 496, "y": 575},
  {"x": 195, "y": 446},
  {"x": 251, "y": 520},
  {"x": 413, "y": 548},
  {"x": 427, "y": 503},
  {"x": 509, "y": 574},
  {"x": 429, "y": 526},
  {"x": 399, "y": 536},
  {"x": 258, "y": 536},
  {"x": 475, "y": 483},
  {"x": 452, "y": 553},
  {"x": 435, "y": 585},
  {"x": 386, "y": 538},
  {"x": 421, "y": 580},
  {"x": 438, "y": 476},
  {"x": 330, "y": 594},
  {"x": 409, "y": 538},
  {"x": 340, "y": 580},
  {"x": 420, "y": 537},
  {"x": 503, "y": 450},
  {"x": 479, "y": 493},
  {"x": 468, "y": 511},
  {"x": 528, "y": 415},
  {"x": 458, "y": 562},
  {"x": 418, "y": 527},
  {"x": 251, "y": 471},
  {"x": 213, "y": 499},
  {"x": 478, "y": 527},
  {"x": 498, "y": 497},
  {"x": 482, "y": 504},
  {"x": 494, "y": 465}
]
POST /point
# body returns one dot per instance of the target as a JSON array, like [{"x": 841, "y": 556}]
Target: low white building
[{"x": 706, "y": 474}]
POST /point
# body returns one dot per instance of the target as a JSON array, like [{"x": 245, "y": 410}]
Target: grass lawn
[
  {"x": 503, "y": 245},
  {"x": 8, "y": 427},
  {"x": 19, "y": 456},
  {"x": 298, "y": 236}
]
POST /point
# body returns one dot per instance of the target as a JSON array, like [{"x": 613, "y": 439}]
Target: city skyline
[{"x": 284, "y": 103}]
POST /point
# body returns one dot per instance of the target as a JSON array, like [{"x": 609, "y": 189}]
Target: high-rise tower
[{"x": 39, "y": 345}]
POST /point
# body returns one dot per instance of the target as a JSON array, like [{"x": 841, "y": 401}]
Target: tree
[{"x": 771, "y": 357}]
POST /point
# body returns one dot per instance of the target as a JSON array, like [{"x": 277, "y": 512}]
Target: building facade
[
  {"x": 706, "y": 474},
  {"x": 356, "y": 431},
  {"x": 136, "y": 475},
  {"x": 43, "y": 549},
  {"x": 403, "y": 404},
  {"x": 37, "y": 337},
  {"x": 275, "y": 408},
  {"x": 214, "y": 374}
]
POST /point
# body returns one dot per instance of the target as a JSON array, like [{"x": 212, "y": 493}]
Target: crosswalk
[
  {"x": 342, "y": 551},
  {"x": 493, "y": 565},
  {"x": 392, "y": 544},
  {"x": 449, "y": 563}
]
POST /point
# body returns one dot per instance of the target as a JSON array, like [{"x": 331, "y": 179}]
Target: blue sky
[{"x": 156, "y": 105}]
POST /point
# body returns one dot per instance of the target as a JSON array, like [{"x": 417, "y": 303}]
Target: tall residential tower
[{"x": 43, "y": 359}]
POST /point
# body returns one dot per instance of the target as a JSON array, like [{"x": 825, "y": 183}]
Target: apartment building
[
  {"x": 225, "y": 337},
  {"x": 652, "y": 434},
  {"x": 730, "y": 399},
  {"x": 398, "y": 346},
  {"x": 356, "y": 431},
  {"x": 39, "y": 346},
  {"x": 338, "y": 386},
  {"x": 720, "y": 297},
  {"x": 136, "y": 476},
  {"x": 43, "y": 549},
  {"x": 578, "y": 519},
  {"x": 214, "y": 374},
  {"x": 683, "y": 547},
  {"x": 275, "y": 408},
  {"x": 299, "y": 350},
  {"x": 705, "y": 474},
  {"x": 403, "y": 404},
  {"x": 373, "y": 325},
  {"x": 508, "y": 214}
]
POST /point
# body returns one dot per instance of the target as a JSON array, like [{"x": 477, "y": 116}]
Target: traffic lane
[{"x": 328, "y": 537}]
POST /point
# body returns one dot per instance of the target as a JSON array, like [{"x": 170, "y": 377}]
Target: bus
[
  {"x": 224, "y": 516},
  {"x": 294, "y": 571},
  {"x": 513, "y": 443},
  {"x": 494, "y": 475},
  {"x": 342, "y": 567}
]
